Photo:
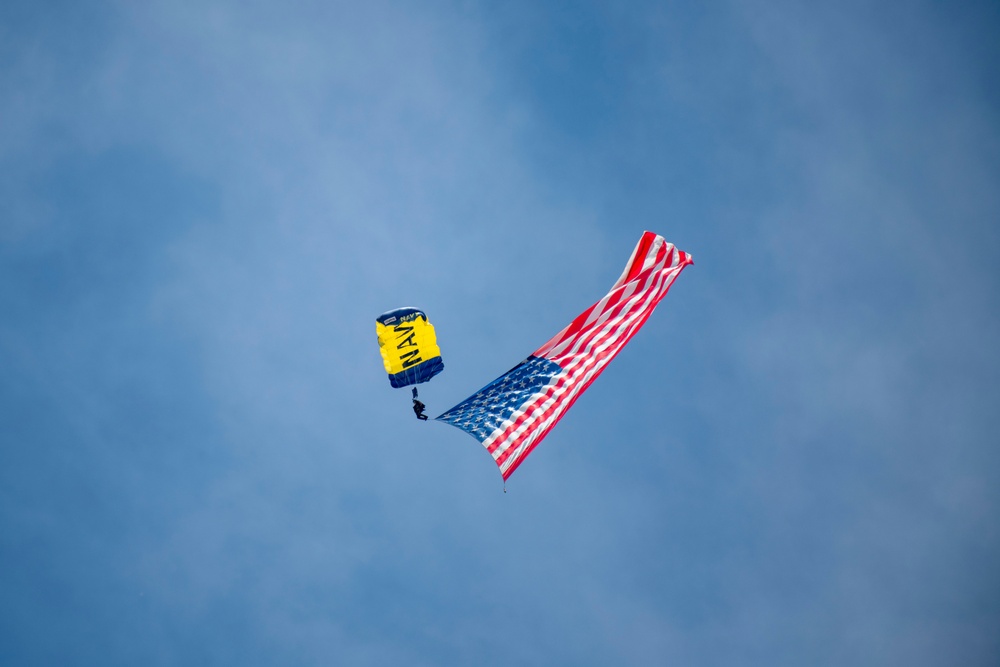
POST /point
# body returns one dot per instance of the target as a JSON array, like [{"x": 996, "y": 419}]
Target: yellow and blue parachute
[{"x": 409, "y": 347}]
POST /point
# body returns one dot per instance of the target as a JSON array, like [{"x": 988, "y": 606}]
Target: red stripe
[
  {"x": 614, "y": 300},
  {"x": 641, "y": 251},
  {"x": 638, "y": 259},
  {"x": 617, "y": 293}
]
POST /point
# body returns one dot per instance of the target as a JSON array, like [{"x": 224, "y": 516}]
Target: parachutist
[{"x": 418, "y": 409}]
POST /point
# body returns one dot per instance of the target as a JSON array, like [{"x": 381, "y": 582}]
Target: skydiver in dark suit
[{"x": 418, "y": 407}]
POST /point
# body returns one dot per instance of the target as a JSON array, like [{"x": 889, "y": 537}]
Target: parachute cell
[{"x": 409, "y": 347}]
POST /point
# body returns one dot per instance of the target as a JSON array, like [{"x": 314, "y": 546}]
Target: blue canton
[{"x": 487, "y": 409}]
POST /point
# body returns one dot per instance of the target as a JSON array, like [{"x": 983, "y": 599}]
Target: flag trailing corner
[{"x": 512, "y": 414}]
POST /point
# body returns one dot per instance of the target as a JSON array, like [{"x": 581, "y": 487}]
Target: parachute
[{"x": 409, "y": 347}]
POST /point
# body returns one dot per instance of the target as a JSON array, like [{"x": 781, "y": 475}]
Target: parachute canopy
[{"x": 409, "y": 347}]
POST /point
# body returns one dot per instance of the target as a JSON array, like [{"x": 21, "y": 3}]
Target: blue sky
[{"x": 202, "y": 209}]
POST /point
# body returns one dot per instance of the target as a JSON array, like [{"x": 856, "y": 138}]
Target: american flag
[{"x": 512, "y": 414}]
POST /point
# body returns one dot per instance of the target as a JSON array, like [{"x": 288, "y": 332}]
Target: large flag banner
[{"x": 512, "y": 414}]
